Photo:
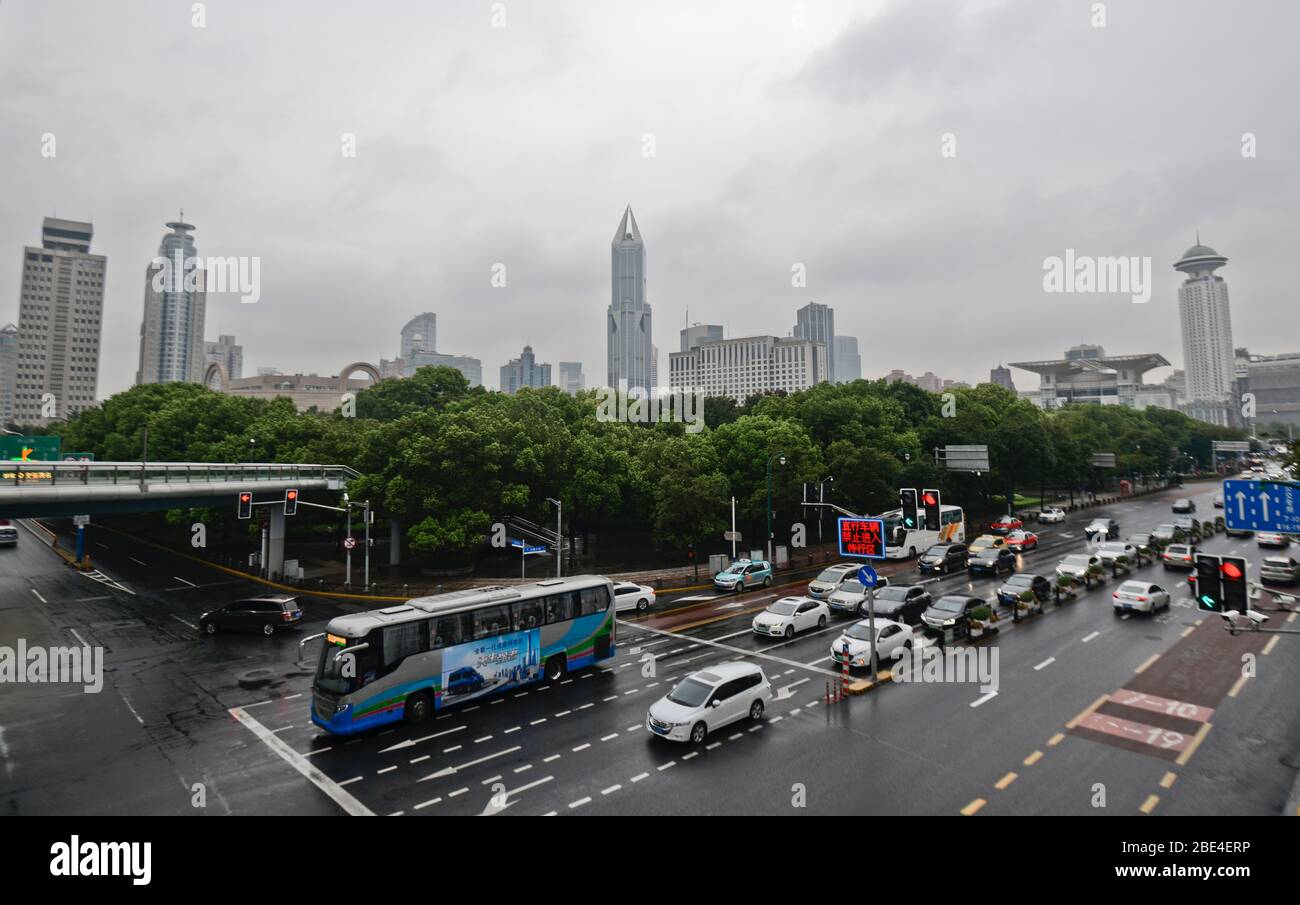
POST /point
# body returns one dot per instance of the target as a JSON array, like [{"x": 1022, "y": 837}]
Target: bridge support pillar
[
  {"x": 395, "y": 535},
  {"x": 275, "y": 545}
]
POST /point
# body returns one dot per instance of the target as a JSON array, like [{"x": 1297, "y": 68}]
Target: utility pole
[
  {"x": 559, "y": 535},
  {"x": 367, "y": 518},
  {"x": 733, "y": 529}
]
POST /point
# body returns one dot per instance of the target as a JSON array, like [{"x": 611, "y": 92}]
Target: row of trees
[{"x": 449, "y": 460}]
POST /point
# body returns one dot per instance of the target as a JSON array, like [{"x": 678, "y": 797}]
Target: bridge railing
[{"x": 45, "y": 473}]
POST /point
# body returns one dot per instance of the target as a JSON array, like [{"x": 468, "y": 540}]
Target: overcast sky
[{"x": 775, "y": 143}]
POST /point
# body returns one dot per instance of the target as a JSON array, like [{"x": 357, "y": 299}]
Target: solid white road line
[
  {"x": 183, "y": 622},
  {"x": 78, "y": 637},
  {"x": 38, "y": 596},
  {"x": 1086, "y": 638},
  {"x": 335, "y": 791},
  {"x": 133, "y": 559},
  {"x": 1048, "y": 662},
  {"x": 988, "y": 697},
  {"x": 448, "y": 771},
  {"x": 183, "y": 581}
]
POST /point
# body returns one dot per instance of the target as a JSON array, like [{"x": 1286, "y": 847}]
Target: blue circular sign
[{"x": 867, "y": 576}]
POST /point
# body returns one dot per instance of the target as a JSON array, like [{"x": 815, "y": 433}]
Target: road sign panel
[
  {"x": 966, "y": 458},
  {"x": 81, "y": 521},
  {"x": 862, "y": 537},
  {"x": 1231, "y": 445},
  {"x": 29, "y": 449},
  {"x": 349, "y": 543},
  {"x": 731, "y": 535},
  {"x": 867, "y": 577},
  {"x": 1103, "y": 460},
  {"x": 520, "y": 545},
  {"x": 1262, "y": 506}
]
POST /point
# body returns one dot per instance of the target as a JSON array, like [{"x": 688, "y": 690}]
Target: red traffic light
[
  {"x": 930, "y": 499},
  {"x": 245, "y": 497},
  {"x": 1231, "y": 571},
  {"x": 292, "y": 494}
]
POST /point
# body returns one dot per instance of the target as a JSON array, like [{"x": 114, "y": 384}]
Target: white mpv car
[{"x": 708, "y": 700}]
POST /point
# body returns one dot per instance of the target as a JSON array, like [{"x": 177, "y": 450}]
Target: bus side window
[
  {"x": 595, "y": 600},
  {"x": 491, "y": 620},
  {"x": 560, "y": 607},
  {"x": 528, "y": 614},
  {"x": 446, "y": 631}
]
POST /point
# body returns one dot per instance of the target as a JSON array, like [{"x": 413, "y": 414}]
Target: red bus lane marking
[
  {"x": 1156, "y": 737},
  {"x": 1157, "y": 704}
]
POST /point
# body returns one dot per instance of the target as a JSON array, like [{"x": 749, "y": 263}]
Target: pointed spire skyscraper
[{"x": 628, "y": 322}]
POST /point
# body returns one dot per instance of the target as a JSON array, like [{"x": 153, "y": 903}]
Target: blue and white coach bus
[{"x": 406, "y": 661}]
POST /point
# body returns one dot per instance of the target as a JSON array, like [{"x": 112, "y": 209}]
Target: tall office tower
[
  {"x": 175, "y": 305},
  {"x": 695, "y": 334},
  {"x": 420, "y": 333},
  {"x": 1001, "y": 376},
  {"x": 816, "y": 322},
  {"x": 8, "y": 368},
  {"x": 630, "y": 350},
  {"x": 572, "y": 380},
  {"x": 524, "y": 371},
  {"x": 654, "y": 366},
  {"x": 59, "y": 312},
  {"x": 227, "y": 353},
  {"x": 1207, "y": 336},
  {"x": 848, "y": 363}
]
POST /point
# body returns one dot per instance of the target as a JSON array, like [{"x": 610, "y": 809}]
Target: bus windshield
[{"x": 343, "y": 674}]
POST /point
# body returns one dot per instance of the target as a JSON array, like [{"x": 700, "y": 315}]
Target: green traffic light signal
[{"x": 1209, "y": 602}]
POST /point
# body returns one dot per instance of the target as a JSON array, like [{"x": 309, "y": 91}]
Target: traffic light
[
  {"x": 291, "y": 501},
  {"x": 245, "y": 504},
  {"x": 1232, "y": 572},
  {"x": 907, "y": 498},
  {"x": 1209, "y": 586},
  {"x": 930, "y": 502}
]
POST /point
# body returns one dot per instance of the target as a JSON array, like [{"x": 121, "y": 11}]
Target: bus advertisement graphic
[{"x": 480, "y": 667}]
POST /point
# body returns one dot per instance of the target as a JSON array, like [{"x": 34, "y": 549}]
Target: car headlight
[{"x": 950, "y": 622}]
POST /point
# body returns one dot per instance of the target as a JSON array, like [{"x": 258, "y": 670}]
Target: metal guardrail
[{"x": 88, "y": 473}]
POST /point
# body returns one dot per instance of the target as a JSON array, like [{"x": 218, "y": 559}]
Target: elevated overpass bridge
[
  {"x": 54, "y": 489},
  {"x": 31, "y": 489}
]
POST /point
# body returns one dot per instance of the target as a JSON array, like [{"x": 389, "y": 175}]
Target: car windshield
[
  {"x": 860, "y": 631},
  {"x": 950, "y": 604},
  {"x": 1114, "y": 547},
  {"x": 831, "y": 575},
  {"x": 989, "y": 553},
  {"x": 734, "y": 568},
  {"x": 1021, "y": 579},
  {"x": 781, "y": 608},
  {"x": 1133, "y": 587},
  {"x": 690, "y": 693},
  {"x": 1179, "y": 549},
  {"x": 937, "y": 551},
  {"x": 1078, "y": 560},
  {"x": 852, "y": 586},
  {"x": 892, "y": 594}
]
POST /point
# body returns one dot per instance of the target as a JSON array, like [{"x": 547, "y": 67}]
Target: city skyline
[{"x": 440, "y": 185}]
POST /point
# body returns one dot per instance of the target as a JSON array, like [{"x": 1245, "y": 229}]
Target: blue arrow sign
[
  {"x": 1261, "y": 506},
  {"x": 867, "y": 577}
]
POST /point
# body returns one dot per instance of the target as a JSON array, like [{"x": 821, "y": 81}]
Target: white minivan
[{"x": 708, "y": 700}]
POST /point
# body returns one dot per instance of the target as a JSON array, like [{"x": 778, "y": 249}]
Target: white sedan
[
  {"x": 1140, "y": 596},
  {"x": 1052, "y": 514},
  {"x": 1113, "y": 549},
  {"x": 1077, "y": 565},
  {"x": 791, "y": 614},
  {"x": 892, "y": 640},
  {"x": 628, "y": 596}
]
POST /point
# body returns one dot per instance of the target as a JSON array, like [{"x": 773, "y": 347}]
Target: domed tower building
[{"x": 1207, "y": 336}]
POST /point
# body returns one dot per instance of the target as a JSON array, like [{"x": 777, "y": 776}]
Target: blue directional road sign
[
  {"x": 867, "y": 577},
  {"x": 520, "y": 545},
  {"x": 1262, "y": 506}
]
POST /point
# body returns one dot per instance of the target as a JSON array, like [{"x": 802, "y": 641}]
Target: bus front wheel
[
  {"x": 416, "y": 709},
  {"x": 556, "y": 667}
]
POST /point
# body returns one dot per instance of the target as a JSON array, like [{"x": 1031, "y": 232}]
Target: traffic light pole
[
  {"x": 348, "y": 533},
  {"x": 871, "y": 629},
  {"x": 367, "y": 518}
]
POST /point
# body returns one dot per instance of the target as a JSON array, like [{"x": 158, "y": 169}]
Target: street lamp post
[
  {"x": 559, "y": 536},
  {"x": 770, "y": 460}
]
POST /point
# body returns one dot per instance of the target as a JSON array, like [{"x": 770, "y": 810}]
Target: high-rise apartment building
[
  {"x": 175, "y": 306},
  {"x": 743, "y": 366},
  {"x": 524, "y": 371},
  {"x": 1208, "y": 357},
  {"x": 572, "y": 380},
  {"x": 60, "y": 307},
  {"x": 848, "y": 363},
  {"x": 630, "y": 351},
  {"x": 8, "y": 369},
  {"x": 816, "y": 322}
]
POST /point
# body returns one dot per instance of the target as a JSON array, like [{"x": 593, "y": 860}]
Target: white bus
[{"x": 905, "y": 543}]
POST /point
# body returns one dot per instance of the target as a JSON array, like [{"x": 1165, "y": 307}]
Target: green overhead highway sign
[{"x": 29, "y": 449}]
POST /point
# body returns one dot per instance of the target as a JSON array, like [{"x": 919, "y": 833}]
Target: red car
[
  {"x": 1021, "y": 540},
  {"x": 1006, "y": 524}
]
